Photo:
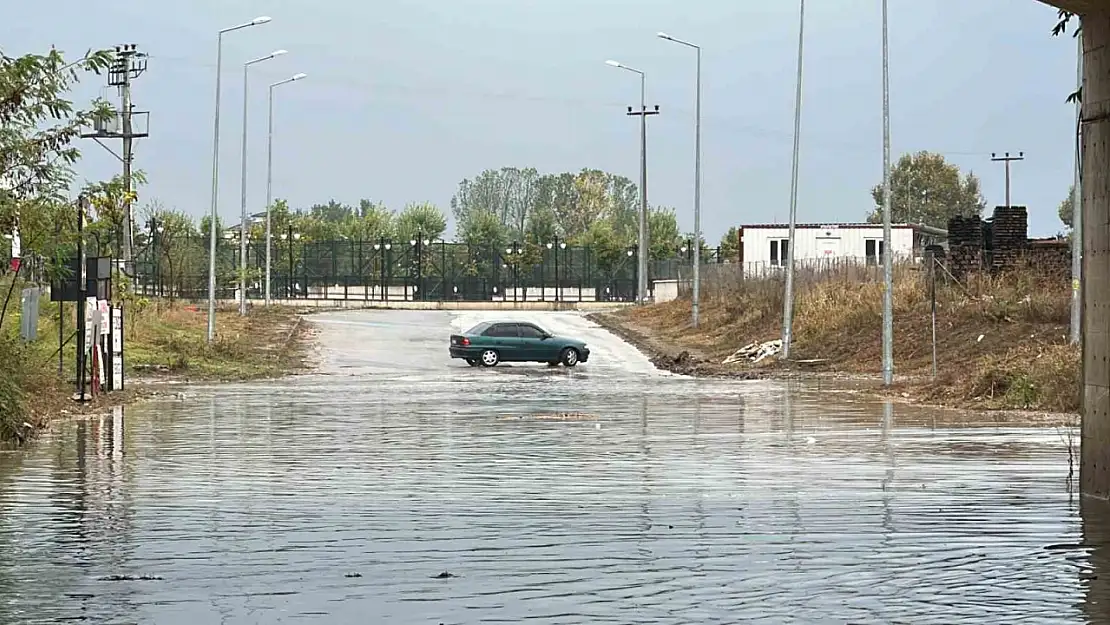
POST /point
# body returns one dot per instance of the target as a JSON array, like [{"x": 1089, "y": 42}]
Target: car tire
[
  {"x": 569, "y": 357},
  {"x": 473, "y": 362},
  {"x": 490, "y": 358}
]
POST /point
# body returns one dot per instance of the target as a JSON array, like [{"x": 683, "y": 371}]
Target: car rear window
[{"x": 478, "y": 329}]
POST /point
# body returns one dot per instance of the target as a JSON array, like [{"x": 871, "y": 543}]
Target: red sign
[{"x": 15, "y": 264}]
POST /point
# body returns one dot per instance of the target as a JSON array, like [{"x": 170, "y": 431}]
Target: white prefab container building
[{"x": 769, "y": 243}]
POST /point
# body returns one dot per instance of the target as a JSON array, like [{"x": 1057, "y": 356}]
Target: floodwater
[{"x": 398, "y": 486}]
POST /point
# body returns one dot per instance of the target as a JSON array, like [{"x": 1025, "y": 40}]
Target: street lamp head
[
  {"x": 663, "y": 35},
  {"x": 299, "y": 76},
  {"x": 508, "y": 250},
  {"x": 629, "y": 252},
  {"x": 563, "y": 246},
  {"x": 427, "y": 242},
  {"x": 550, "y": 245},
  {"x": 278, "y": 53},
  {"x": 297, "y": 236},
  {"x": 262, "y": 19},
  {"x": 412, "y": 242},
  {"x": 613, "y": 63}
]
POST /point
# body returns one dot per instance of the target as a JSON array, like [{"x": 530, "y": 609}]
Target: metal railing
[{"x": 384, "y": 270}]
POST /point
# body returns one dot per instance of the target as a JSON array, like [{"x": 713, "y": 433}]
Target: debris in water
[
  {"x": 444, "y": 575},
  {"x": 131, "y": 578},
  {"x": 350, "y": 575}
]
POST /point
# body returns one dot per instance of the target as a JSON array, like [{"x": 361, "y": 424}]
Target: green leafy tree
[
  {"x": 510, "y": 193},
  {"x": 1067, "y": 207},
  {"x": 175, "y": 255},
  {"x": 925, "y": 189},
  {"x": 372, "y": 221},
  {"x": 606, "y": 248},
  {"x": 109, "y": 200},
  {"x": 38, "y": 126},
  {"x": 663, "y": 233},
  {"x": 423, "y": 219},
  {"x": 483, "y": 229},
  {"x": 331, "y": 213},
  {"x": 541, "y": 227},
  {"x": 730, "y": 244}
]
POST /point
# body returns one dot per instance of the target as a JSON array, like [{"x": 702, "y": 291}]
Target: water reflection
[{"x": 683, "y": 501}]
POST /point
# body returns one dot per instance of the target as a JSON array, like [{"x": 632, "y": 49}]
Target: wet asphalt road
[{"x": 342, "y": 497}]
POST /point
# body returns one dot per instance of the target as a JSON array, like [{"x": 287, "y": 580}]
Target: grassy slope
[
  {"x": 1001, "y": 341},
  {"x": 163, "y": 339}
]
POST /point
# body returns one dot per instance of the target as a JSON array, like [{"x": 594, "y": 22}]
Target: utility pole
[
  {"x": 641, "y": 281},
  {"x": 641, "y": 287},
  {"x": 129, "y": 64},
  {"x": 1007, "y": 159}
]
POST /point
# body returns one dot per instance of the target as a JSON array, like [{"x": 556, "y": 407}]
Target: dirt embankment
[
  {"x": 165, "y": 345},
  {"x": 1001, "y": 342}
]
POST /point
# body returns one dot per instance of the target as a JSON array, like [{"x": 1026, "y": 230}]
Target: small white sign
[{"x": 117, "y": 349}]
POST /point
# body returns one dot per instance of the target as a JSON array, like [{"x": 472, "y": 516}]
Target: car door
[
  {"x": 505, "y": 339},
  {"x": 533, "y": 346}
]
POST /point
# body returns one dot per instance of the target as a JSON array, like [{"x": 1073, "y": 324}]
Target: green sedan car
[{"x": 491, "y": 342}]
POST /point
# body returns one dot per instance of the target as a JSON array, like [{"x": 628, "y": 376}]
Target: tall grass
[{"x": 1000, "y": 336}]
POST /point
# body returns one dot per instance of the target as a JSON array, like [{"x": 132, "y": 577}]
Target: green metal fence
[{"x": 388, "y": 270}]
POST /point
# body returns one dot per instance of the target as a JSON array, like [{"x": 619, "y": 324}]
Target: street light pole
[
  {"x": 788, "y": 296},
  {"x": 216, "y": 177},
  {"x": 888, "y": 254},
  {"x": 1077, "y": 213},
  {"x": 641, "y": 286},
  {"x": 697, "y": 176},
  {"x": 270, "y": 173},
  {"x": 243, "y": 226}
]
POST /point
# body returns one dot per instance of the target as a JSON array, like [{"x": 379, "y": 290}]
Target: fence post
[{"x": 933, "y": 303}]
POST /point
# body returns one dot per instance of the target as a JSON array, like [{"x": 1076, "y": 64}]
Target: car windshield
[{"x": 478, "y": 329}]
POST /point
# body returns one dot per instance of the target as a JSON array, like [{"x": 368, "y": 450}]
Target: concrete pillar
[{"x": 1094, "y": 474}]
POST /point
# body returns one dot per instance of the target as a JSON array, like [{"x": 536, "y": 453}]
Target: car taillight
[{"x": 464, "y": 342}]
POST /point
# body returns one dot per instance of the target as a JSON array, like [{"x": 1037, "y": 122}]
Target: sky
[{"x": 405, "y": 98}]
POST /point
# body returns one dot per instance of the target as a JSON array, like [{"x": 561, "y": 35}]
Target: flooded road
[{"x": 398, "y": 486}]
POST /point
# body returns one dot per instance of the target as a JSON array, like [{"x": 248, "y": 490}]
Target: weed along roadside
[
  {"x": 1001, "y": 340},
  {"x": 163, "y": 343}
]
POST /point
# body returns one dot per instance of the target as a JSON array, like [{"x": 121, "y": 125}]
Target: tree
[
  {"x": 482, "y": 230},
  {"x": 173, "y": 251},
  {"x": 606, "y": 248},
  {"x": 109, "y": 200},
  {"x": 423, "y": 219},
  {"x": 925, "y": 189},
  {"x": 1067, "y": 208},
  {"x": 333, "y": 212},
  {"x": 532, "y": 205},
  {"x": 663, "y": 233},
  {"x": 373, "y": 221},
  {"x": 38, "y": 125},
  {"x": 730, "y": 244}
]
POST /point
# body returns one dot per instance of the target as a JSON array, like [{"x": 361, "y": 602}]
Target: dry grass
[
  {"x": 172, "y": 338},
  {"x": 1001, "y": 339},
  {"x": 161, "y": 338}
]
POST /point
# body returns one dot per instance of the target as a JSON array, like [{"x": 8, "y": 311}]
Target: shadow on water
[{"x": 407, "y": 495}]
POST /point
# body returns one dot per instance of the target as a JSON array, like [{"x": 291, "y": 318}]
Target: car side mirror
[{"x": 545, "y": 337}]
